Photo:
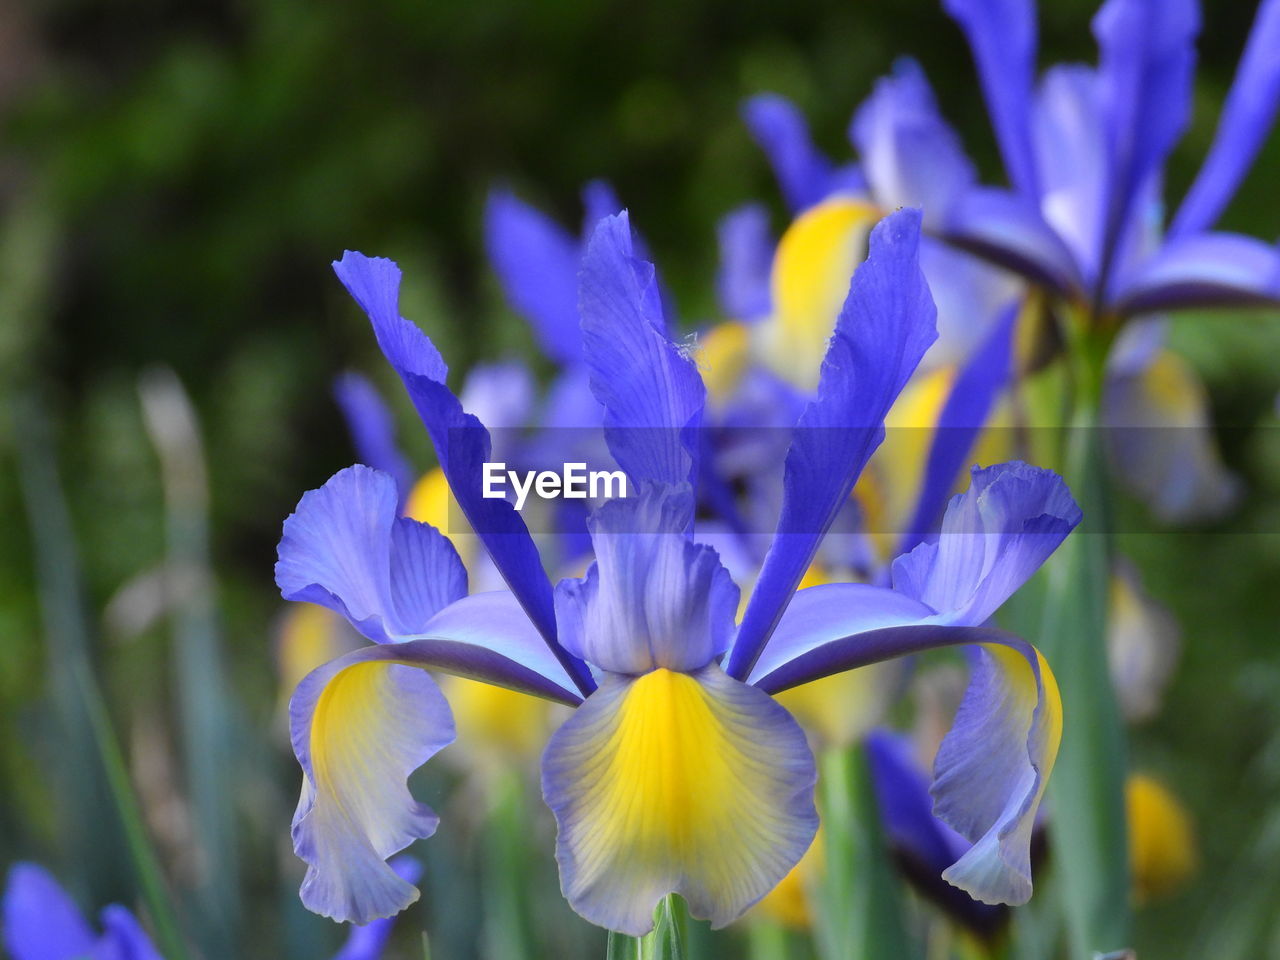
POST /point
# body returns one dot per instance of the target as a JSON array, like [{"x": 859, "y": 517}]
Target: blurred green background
[{"x": 174, "y": 180}]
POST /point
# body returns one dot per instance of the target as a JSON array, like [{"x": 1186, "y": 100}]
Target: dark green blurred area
[{"x": 176, "y": 177}]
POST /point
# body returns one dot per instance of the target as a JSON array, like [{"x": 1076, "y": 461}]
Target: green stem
[
  {"x": 664, "y": 942},
  {"x": 861, "y": 914},
  {"x": 1086, "y": 792}
]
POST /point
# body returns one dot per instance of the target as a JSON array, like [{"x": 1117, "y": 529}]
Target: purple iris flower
[
  {"x": 1085, "y": 151},
  {"x": 677, "y": 771},
  {"x": 41, "y": 922}
]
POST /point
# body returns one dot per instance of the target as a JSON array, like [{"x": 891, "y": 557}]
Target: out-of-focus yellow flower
[
  {"x": 809, "y": 282},
  {"x": 1142, "y": 646},
  {"x": 495, "y": 725},
  {"x": 724, "y": 352},
  {"x": 309, "y": 635},
  {"x": 1162, "y": 843}
]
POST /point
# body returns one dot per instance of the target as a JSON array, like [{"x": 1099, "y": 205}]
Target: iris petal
[
  {"x": 992, "y": 768},
  {"x": 536, "y": 261},
  {"x": 345, "y": 548},
  {"x": 650, "y": 389},
  {"x": 372, "y": 429},
  {"x": 809, "y": 282},
  {"x": 802, "y": 172},
  {"x": 1246, "y": 121},
  {"x": 746, "y": 252},
  {"x": 653, "y": 597},
  {"x": 1203, "y": 270},
  {"x": 41, "y": 922},
  {"x": 1002, "y": 36},
  {"x": 886, "y": 325},
  {"x": 911, "y": 156},
  {"x": 359, "y": 728},
  {"x": 461, "y": 442},
  {"x": 669, "y": 782},
  {"x": 994, "y": 537}
]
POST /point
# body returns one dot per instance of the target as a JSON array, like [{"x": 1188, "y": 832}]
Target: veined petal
[
  {"x": 803, "y": 173},
  {"x": 345, "y": 548},
  {"x": 994, "y": 537},
  {"x": 1203, "y": 270},
  {"x": 360, "y": 725},
  {"x": 910, "y": 154},
  {"x": 887, "y": 324},
  {"x": 1009, "y": 230},
  {"x": 1146, "y": 62},
  {"x": 372, "y": 429},
  {"x": 814, "y": 263},
  {"x": 650, "y": 389},
  {"x": 41, "y": 922},
  {"x": 1002, "y": 36},
  {"x": 1247, "y": 117},
  {"x": 1072, "y": 157},
  {"x": 746, "y": 254},
  {"x": 824, "y": 613},
  {"x": 461, "y": 442},
  {"x": 992, "y": 768},
  {"x": 653, "y": 597},
  {"x": 677, "y": 783},
  {"x": 536, "y": 261}
]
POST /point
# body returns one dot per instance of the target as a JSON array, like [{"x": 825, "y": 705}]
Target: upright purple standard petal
[
  {"x": 1002, "y": 36},
  {"x": 803, "y": 173},
  {"x": 746, "y": 257},
  {"x": 372, "y": 429},
  {"x": 887, "y": 324},
  {"x": 653, "y": 597},
  {"x": 1247, "y": 116},
  {"x": 537, "y": 264},
  {"x": 651, "y": 390},
  {"x": 910, "y": 155},
  {"x": 462, "y": 444},
  {"x": 1145, "y": 68}
]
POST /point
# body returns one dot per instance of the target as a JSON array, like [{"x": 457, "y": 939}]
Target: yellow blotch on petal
[
  {"x": 723, "y": 354},
  {"x": 1162, "y": 843},
  {"x": 812, "y": 268}
]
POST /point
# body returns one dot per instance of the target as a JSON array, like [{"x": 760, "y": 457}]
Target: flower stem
[{"x": 1086, "y": 792}]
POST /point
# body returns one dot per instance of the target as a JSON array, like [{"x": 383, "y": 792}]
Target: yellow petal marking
[{"x": 812, "y": 268}]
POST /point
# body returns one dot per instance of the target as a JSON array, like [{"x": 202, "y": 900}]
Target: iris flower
[
  {"x": 677, "y": 771},
  {"x": 41, "y": 922},
  {"x": 1073, "y": 149},
  {"x": 1085, "y": 151}
]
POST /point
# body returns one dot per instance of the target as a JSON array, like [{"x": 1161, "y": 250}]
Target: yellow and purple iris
[{"x": 677, "y": 771}]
